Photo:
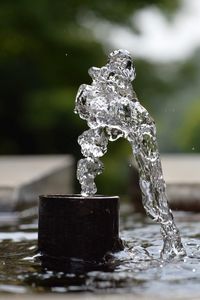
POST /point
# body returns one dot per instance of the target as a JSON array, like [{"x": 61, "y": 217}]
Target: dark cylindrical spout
[{"x": 73, "y": 226}]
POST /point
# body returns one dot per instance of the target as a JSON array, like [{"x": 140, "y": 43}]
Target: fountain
[
  {"x": 78, "y": 236},
  {"x": 112, "y": 110},
  {"x": 77, "y": 232}
]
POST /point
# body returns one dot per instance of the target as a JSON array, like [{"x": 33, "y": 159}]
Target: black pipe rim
[{"x": 77, "y": 196}]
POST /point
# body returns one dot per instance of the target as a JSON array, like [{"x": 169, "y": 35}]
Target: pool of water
[{"x": 138, "y": 269}]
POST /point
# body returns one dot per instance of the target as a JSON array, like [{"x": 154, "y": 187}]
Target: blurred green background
[{"x": 46, "y": 49}]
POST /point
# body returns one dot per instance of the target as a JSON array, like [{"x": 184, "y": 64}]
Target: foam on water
[{"x": 112, "y": 110}]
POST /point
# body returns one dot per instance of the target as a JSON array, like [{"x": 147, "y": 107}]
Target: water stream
[{"x": 112, "y": 110}]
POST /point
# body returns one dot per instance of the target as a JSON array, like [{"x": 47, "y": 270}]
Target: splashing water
[{"x": 112, "y": 110}]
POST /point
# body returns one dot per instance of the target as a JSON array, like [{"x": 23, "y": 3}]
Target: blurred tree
[
  {"x": 44, "y": 57},
  {"x": 35, "y": 73},
  {"x": 188, "y": 133}
]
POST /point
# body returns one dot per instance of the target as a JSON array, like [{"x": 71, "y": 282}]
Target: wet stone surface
[{"x": 137, "y": 270}]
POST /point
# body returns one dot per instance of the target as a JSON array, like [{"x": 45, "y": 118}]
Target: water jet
[{"x": 86, "y": 226}]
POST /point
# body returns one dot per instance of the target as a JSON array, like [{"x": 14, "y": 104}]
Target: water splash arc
[{"x": 112, "y": 110}]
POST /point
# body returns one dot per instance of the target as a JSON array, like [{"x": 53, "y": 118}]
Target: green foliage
[
  {"x": 188, "y": 134},
  {"x": 39, "y": 81}
]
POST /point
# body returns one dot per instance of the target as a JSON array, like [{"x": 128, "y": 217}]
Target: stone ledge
[
  {"x": 87, "y": 296},
  {"x": 182, "y": 175},
  {"x": 23, "y": 178}
]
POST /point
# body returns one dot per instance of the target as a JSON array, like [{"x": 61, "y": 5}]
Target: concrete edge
[{"x": 88, "y": 296}]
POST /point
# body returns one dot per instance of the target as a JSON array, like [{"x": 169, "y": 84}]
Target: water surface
[{"x": 138, "y": 269}]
